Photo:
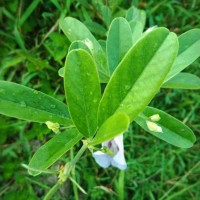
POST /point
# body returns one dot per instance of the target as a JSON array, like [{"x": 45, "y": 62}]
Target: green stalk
[
  {"x": 70, "y": 166},
  {"x": 64, "y": 176},
  {"x": 121, "y": 186},
  {"x": 52, "y": 191},
  {"x": 75, "y": 189}
]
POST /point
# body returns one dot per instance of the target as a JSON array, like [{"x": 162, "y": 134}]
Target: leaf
[
  {"x": 61, "y": 72},
  {"x": 137, "y": 30},
  {"x": 82, "y": 89},
  {"x": 183, "y": 81},
  {"x": 74, "y": 45},
  {"x": 51, "y": 151},
  {"x": 189, "y": 45},
  {"x": 75, "y": 30},
  {"x": 25, "y": 103},
  {"x": 113, "y": 126},
  {"x": 173, "y": 130},
  {"x": 139, "y": 75},
  {"x": 103, "y": 45},
  {"x": 106, "y": 14},
  {"x": 95, "y": 28},
  {"x": 79, "y": 45},
  {"x": 118, "y": 43},
  {"x": 136, "y": 14}
]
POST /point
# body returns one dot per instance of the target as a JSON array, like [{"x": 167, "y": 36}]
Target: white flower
[{"x": 114, "y": 154}]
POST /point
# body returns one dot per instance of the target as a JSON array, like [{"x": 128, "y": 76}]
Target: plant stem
[
  {"x": 52, "y": 191},
  {"x": 73, "y": 172},
  {"x": 70, "y": 166},
  {"x": 64, "y": 176},
  {"x": 121, "y": 185}
]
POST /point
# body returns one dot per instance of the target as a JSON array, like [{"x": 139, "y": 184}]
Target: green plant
[{"x": 135, "y": 66}]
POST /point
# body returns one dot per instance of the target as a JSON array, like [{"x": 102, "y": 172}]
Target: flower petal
[
  {"x": 119, "y": 159},
  {"x": 104, "y": 160},
  {"x": 119, "y": 141}
]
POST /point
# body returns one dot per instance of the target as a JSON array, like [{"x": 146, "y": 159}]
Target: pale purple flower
[{"x": 114, "y": 154}]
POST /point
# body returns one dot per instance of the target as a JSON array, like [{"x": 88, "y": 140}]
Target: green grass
[{"x": 32, "y": 50}]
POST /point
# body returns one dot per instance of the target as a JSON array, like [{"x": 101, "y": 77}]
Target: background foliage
[{"x": 32, "y": 50}]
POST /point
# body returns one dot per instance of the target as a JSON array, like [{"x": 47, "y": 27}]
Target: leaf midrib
[
  {"x": 84, "y": 101},
  {"x": 141, "y": 72}
]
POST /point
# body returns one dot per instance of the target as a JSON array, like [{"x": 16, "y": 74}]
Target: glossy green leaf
[
  {"x": 173, "y": 130},
  {"x": 137, "y": 30},
  {"x": 75, "y": 30},
  {"x": 113, "y": 126},
  {"x": 25, "y": 103},
  {"x": 118, "y": 43},
  {"x": 189, "y": 51},
  {"x": 51, "y": 151},
  {"x": 82, "y": 89},
  {"x": 136, "y": 14},
  {"x": 183, "y": 81},
  {"x": 74, "y": 45},
  {"x": 139, "y": 75}
]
